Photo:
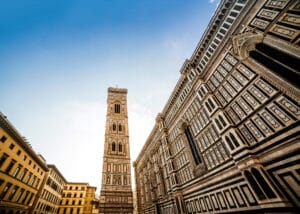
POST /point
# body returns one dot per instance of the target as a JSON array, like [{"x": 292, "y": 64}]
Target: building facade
[
  {"x": 50, "y": 193},
  {"x": 116, "y": 192},
  {"x": 228, "y": 138},
  {"x": 91, "y": 201},
  {"x": 21, "y": 171},
  {"x": 73, "y": 198}
]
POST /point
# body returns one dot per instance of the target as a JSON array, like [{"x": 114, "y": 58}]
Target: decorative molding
[{"x": 245, "y": 42}]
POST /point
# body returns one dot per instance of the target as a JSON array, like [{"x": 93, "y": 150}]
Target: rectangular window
[
  {"x": 233, "y": 14},
  {"x": 117, "y": 108},
  {"x": 226, "y": 26},
  {"x": 3, "y": 139},
  {"x": 25, "y": 198},
  {"x": 37, "y": 183},
  {"x": 3, "y": 159},
  {"x": 10, "y": 166},
  {"x": 23, "y": 174},
  {"x": 222, "y": 31},
  {"x": 219, "y": 36},
  {"x": 28, "y": 178},
  {"x": 19, "y": 195},
  {"x": 17, "y": 171},
  {"x": 31, "y": 197},
  {"x": 238, "y": 7},
  {"x": 12, "y": 146},
  {"x": 193, "y": 146},
  {"x": 5, "y": 190},
  {"x": 13, "y": 192},
  {"x": 229, "y": 20}
]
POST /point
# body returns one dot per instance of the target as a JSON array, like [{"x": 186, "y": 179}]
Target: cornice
[
  {"x": 117, "y": 90},
  {"x": 12, "y": 131},
  {"x": 147, "y": 144},
  {"x": 52, "y": 166},
  {"x": 212, "y": 28}
]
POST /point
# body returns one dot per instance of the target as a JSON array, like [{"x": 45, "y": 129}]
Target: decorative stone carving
[{"x": 243, "y": 43}]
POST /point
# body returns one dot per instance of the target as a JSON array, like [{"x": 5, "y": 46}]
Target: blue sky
[{"x": 58, "y": 57}]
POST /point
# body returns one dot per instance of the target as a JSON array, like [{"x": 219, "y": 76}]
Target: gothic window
[
  {"x": 114, "y": 127},
  {"x": 113, "y": 146},
  {"x": 120, "y": 127},
  {"x": 233, "y": 138},
  {"x": 262, "y": 182},
  {"x": 211, "y": 104},
  {"x": 192, "y": 145},
  {"x": 229, "y": 143},
  {"x": 120, "y": 147},
  {"x": 222, "y": 120},
  {"x": 283, "y": 64},
  {"x": 218, "y": 124},
  {"x": 208, "y": 107},
  {"x": 258, "y": 191},
  {"x": 117, "y": 108}
]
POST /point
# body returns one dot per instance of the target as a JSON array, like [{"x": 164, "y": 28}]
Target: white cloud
[{"x": 211, "y": 1}]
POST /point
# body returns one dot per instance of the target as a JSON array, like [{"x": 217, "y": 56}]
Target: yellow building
[
  {"x": 21, "y": 170},
  {"x": 77, "y": 199},
  {"x": 50, "y": 193},
  {"x": 91, "y": 203}
]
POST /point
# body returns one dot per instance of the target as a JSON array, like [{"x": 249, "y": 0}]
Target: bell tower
[{"x": 116, "y": 190}]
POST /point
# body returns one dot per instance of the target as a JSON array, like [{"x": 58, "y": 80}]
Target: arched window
[
  {"x": 193, "y": 145},
  {"x": 113, "y": 146},
  {"x": 117, "y": 108},
  {"x": 281, "y": 63},
  {"x": 256, "y": 188},
  {"x": 114, "y": 127},
  {"x": 222, "y": 120},
  {"x": 208, "y": 107},
  {"x": 218, "y": 124},
  {"x": 120, "y": 127},
  {"x": 211, "y": 104},
  {"x": 229, "y": 143},
  {"x": 236, "y": 143},
  {"x": 120, "y": 147},
  {"x": 262, "y": 182}
]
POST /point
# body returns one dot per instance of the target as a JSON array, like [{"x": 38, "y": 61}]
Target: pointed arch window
[
  {"x": 117, "y": 108},
  {"x": 263, "y": 183},
  {"x": 113, "y": 146},
  {"x": 114, "y": 127},
  {"x": 120, "y": 127},
  {"x": 192, "y": 145},
  {"x": 258, "y": 191},
  {"x": 120, "y": 147},
  {"x": 229, "y": 143}
]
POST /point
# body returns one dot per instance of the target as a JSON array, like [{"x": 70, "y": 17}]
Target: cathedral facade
[
  {"x": 116, "y": 191},
  {"x": 228, "y": 138}
]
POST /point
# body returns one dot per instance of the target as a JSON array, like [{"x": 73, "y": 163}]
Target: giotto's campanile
[{"x": 116, "y": 190}]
